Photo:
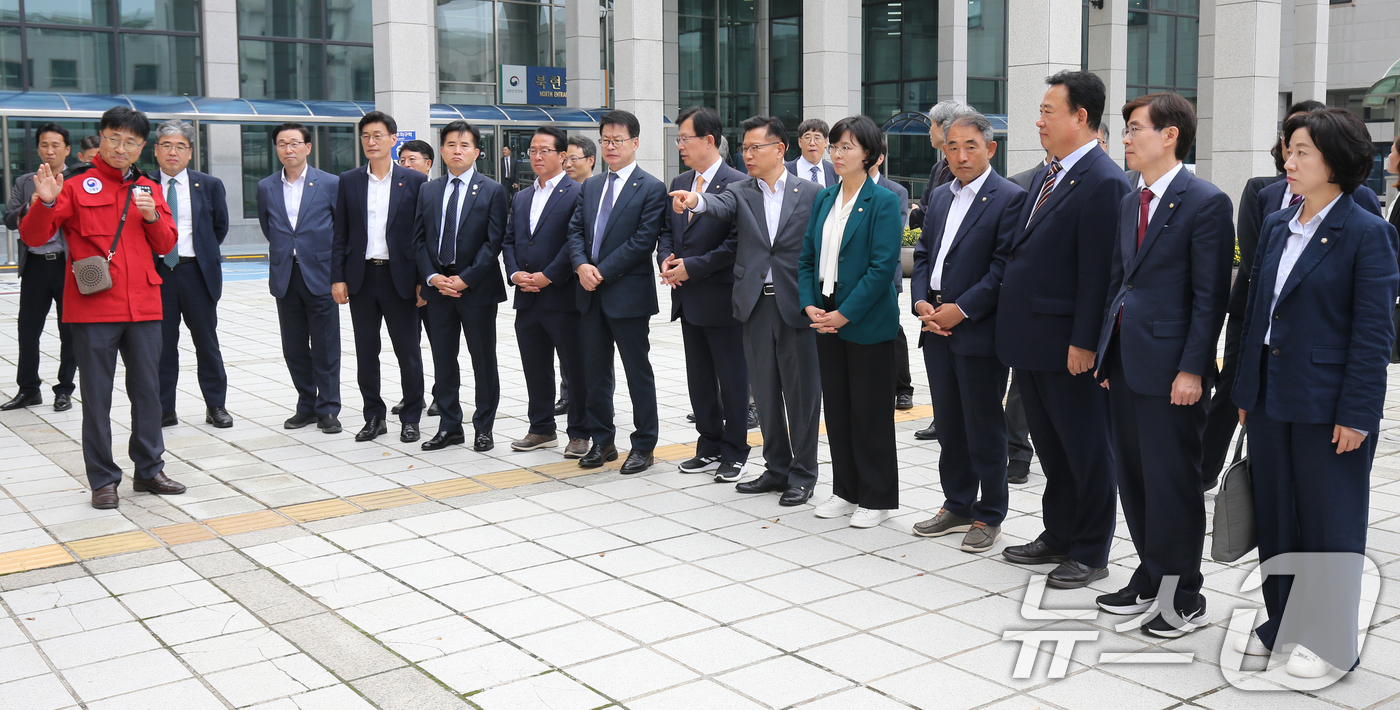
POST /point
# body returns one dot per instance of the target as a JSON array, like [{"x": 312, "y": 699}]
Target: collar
[
  {"x": 1160, "y": 187},
  {"x": 806, "y": 167},
  {"x": 710, "y": 172},
  {"x": 1068, "y": 161},
  {"x": 956, "y": 186},
  {"x": 183, "y": 176},
  {"x": 301, "y": 179},
  {"x": 387, "y": 176},
  {"x": 1311, "y": 227},
  {"x": 625, "y": 172},
  {"x": 778, "y": 184},
  {"x": 108, "y": 171},
  {"x": 548, "y": 185},
  {"x": 465, "y": 177}
]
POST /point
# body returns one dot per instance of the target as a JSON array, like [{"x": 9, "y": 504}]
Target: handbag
[
  {"x": 1234, "y": 533},
  {"x": 93, "y": 274}
]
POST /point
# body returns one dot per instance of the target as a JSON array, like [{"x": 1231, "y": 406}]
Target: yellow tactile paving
[
  {"x": 113, "y": 544},
  {"x": 320, "y": 510},
  {"x": 571, "y": 471},
  {"x": 247, "y": 522},
  {"x": 450, "y": 488},
  {"x": 617, "y": 463},
  {"x": 510, "y": 479},
  {"x": 923, "y": 411},
  {"x": 34, "y": 558},
  {"x": 386, "y": 499},
  {"x": 756, "y": 438},
  {"x": 185, "y": 532},
  {"x": 675, "y": 452},
  {"x": 554, "y": 469}
]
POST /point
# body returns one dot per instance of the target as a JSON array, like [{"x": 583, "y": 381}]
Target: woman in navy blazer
[
  {"x": 847, "y": 290},
  {"x": 1311, "y": 385}
]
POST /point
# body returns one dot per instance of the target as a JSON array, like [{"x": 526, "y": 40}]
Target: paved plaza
[{"x": 305, "y": 571}]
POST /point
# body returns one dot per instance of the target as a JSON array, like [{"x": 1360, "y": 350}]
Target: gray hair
[
  {"x": 944, "y": 112},
  {"x": 176, "y": 127},
  {"x": 974, "y": 120}
]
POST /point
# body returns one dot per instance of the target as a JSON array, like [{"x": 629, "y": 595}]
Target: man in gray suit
[
  {"x": 770, "y": 209},
  {"x": 904, "y": 381},
  {"x": 296, "y": 209}
]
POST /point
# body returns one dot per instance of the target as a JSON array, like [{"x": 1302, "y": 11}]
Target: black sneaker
[
  {"x": 700, "y": 464},
  {"x": 1190, "y": 621},
  {"x": 730, "y": 471},
  {"x": 1124, "y": 601}
]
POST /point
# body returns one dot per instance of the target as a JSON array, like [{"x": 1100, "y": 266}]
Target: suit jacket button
[
  {"x": 1276, "y": 316},
  {"x": 1130, "y": 287},
  {"x": 1274, "y": 352},
  {"x": 840, "y": 259},
  {"x": 1013, "y": 258}
]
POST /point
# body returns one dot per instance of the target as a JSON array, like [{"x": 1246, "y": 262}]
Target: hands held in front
[
  {"x": 682, "y": 200},
  {"x": 825, "y": 322},
  {"x": 530, "y": 283},
  {"x": 589, "y": 276},
  {"x": 939, "y": 320},
  {"x": 452, "y": 286},
  {"x": 673, "y": 271},
  {"x": 340, "y": 291},
  {"x": 47, "y": 183},
  {"x": 1080, "y": 360}
]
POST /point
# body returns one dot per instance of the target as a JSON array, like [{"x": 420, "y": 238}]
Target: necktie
[
  {"x": 1293, "y": 201},
  {"x": 814, "y": 175},
  {"x": 604, "y": 211},
  {"x": 447, "y": 244},
  {"x": 699, "y": 187},
  {"x": 173, "y": 199},
  {"x": 1144, "y": 201},
  {"x": 1049, "y": 185}
]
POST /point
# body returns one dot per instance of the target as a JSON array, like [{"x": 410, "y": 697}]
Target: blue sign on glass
[
  {"x": 400, "y": 139},
  {"x": 547, "y": 86}
]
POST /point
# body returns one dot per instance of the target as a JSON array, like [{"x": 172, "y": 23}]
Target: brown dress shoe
[
  {"x": 105, "y": 498},
  {"x": 159, "y": 485},
  {"x": 576, "y": 449},
  {"x": 535, "y": 441}
]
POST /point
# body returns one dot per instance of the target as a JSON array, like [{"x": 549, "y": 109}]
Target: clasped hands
[
  {"x": 451, "y": 286},
  {"x": 530, "y": 282},
  {"x": 673, "y": 271},
  {"x": 939, "y": 320},
  {"x": 826, "y": 321}
]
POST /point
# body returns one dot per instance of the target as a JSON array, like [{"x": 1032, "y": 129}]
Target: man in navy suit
[
  {"x": 958, "y": 267},
  {"x": 296, "y": 210},
  {"x": 1048, "y": 316},
  {"x": 458, "y": 230},
  {"x": 611, "y": 239},
  {"x": 192, "y": 278},
  {"x": 812, "y": 164},
  {"x": 697, "y": 261},
  {"x": 546, "y": 314},
  {"x": 1156, "y": 356},
  {"x": 374, "y": 269}
]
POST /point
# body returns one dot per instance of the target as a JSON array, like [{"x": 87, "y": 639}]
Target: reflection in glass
[
  {"x": 176, "y": 15},
  {"x": 161, "y": 64},
  {"x": 349, "y": 21},
  {"x": 297, "y": 19},
  {"x": 524, "y": 34},
  {"x": 11, "y": 77},
  {"x": 66, "y": 60},
  {"x": 466, "y": 42},
  {"x": 68, "y": 12}
]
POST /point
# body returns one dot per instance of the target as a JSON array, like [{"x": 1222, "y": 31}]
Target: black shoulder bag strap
[{"x": 112, "y": 253}]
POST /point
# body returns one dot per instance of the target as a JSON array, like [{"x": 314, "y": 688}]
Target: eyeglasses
[
  {"x": 610, "y": 143},
  {"x": 173, "y": 147},
  {"x": 682, "y": 140},
  {"x": 840, "y": 150},
  {"x": 1132, "y": 130},
  {"x": 129, "y": 144},
  {"x": 540, "y": 151},
  {"x": 284, "y": 145},
  {"x": 751, "y": 148},
  {"x": 374, "y": 137},
  {"x": 813, "y": 139}
]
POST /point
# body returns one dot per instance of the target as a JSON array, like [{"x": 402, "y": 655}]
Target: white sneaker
[
  {"x": 835, "y": 507},
  {"x": 1306, "y": 664},
  {"x": 1250, "y": 645},
  {"x": 867, "y": 518}
]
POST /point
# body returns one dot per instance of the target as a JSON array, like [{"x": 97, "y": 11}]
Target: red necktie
[{"x": 1144, "y": 200}]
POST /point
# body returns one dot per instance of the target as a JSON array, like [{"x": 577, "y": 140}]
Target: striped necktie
[{"x": 1048, "y": 187}]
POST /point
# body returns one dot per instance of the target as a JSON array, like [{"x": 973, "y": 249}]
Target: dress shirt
[
  {"x": 804, "y": 171},
  {"x": 377, "y": 212},
  {"x": 466, "y": 179},
  {"x": 772, "y": 209},
  {"x": 184, "y": 223},
  {"x": 1068, "y": 161},
  {"x": 963, "y": 197},
  {"x": 1298, "y": 238},
  {"x": 833, "y": 231},
  {"x": 1287, "y": 195},
  {"x": 708, "y": 174},
  {"x": 1158, "y": 189},
  {"x": 543, "y": 189},
  {"x": 291, "y": 196},
  {"x": 622, "y": 175}
]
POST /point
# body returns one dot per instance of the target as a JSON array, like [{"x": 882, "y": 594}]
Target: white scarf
[{"x": 832, "y": 233}]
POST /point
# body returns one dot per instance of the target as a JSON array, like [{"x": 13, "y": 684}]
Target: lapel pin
[
  {"x": 634, "y": 184},
  {"x": 984, "y": 199},
  {"x": 860, "y": 209},
  {"x": 1324, "y": 240},
  {"x": 400, "y": 184},
  {"x": 1071, "y": 182},
  {"x": 311, "y": 184},
  {"x": 1171, "y": 206},
  {"x": 196, "y": 184}
]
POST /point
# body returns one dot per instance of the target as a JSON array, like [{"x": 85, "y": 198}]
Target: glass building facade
[
  {"x": 1163, "y": 44},
  {"x": 305, "y": 49},
  {"x": 475, "y": 37}
]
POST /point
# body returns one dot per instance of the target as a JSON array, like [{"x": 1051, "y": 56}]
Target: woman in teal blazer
[{"x": 844, "y": 278}]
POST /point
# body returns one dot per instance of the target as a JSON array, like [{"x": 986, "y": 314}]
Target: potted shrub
[{"x": 906, "y": 252}]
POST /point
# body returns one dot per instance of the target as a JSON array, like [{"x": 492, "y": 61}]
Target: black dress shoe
[
  {"x": 561, "y": 407},
  {"x": 690, "y": 417},
  {"x": 63, "y": 403},
  {"x": 442, "y": 440},
  {"x": 1034, "y": 552},
  {"x": 374, "y": 427},
  {"x": 797, "y": 495},
  {"x": 904, "y": 401},
  {"x": 432, "y": 409},
  {"x": 769, "y": 482},
  {"x": 168, "y": 420},
  {"x": 299, "y": 420},
  {"x": 23, "y": 400},
  {"x": 637, "y": 461},
  {"x": 105, "y": 498},
  {"x": 1073, "y": 574},
  {"x": 328, "y": 424},
  {"x": 753, "y": 417},
  {"x": 929, "y": 434},
  {"x": 597, "y": 456},
  {"x": 219, "y": 417},
  {"x": 409, "y": 433},
  {"x": 1018, "y": 471},
  {"x": 396, "y": 408},
  {"x": 483, "y": 441},
  {"x": 159, "y": 485}
]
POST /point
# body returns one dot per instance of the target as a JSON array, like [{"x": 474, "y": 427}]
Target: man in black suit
[
  {"x": 812, "y": 165},
  {"x": 940, "y": 117},
  {"x": 510, "y": 171},
  {"x": 1048, "y": 316},
  {"x": 903, "y": 380},
  {"x": 418, "y": 155},
  {"x": 458, "y": 230},
  {"x": 611, "y": 238},
  {"x": 546, "y": 314},
  {"x": 192, "y": 278},
  {"x": 374, "y": 269},
  {"x": 696, "y": 257},
  {"x": 1156, "y": 356}
]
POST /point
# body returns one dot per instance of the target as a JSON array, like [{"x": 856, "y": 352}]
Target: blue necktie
[
  {"x": 814, "y": 174},
  {"x": 447, "y": 243},
  {"x": 604, "y": 211},
  {"x": 173, "y": 258}
]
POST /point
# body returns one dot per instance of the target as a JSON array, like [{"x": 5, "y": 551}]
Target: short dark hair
[
  {"x": 864, "y": 132},
  {"x": 126, "y": 118},
  {"x": 774, "y": 125},
  {"x": 1276, "y": 150},
  {"x": 585, "y": 144},
  {"x": 90, "y": 143},
  {"x": 1305, "y": 106},
  {"x": 303, "y": 130},
  {"x": 1166, "y": 109},
  {"x": 618, "y": 117},
  {"x": 460, "y": 126},
  {"x": 561, "y": 139},
  {"x": 813, "y": 124},
  {"x": 53, "y": 128},
  {"x": 1086, "y": 91},
  {"x": 704, "y": 121},
  {"x": 379, "y": 117},
  {"x": 1343, "y": 141},
  {"x": 420, "y": 147}
]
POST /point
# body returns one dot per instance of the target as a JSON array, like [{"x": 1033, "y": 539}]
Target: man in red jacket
[{"x": 89, "y": 207}]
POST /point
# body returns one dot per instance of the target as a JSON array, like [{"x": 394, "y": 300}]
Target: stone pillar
[
  {"x": 224, "y": 141},
  {"x": 952, "y": 51},
  {"x": 582, "y": 55},
  {"x": 1310, "y": 27},
  {"x": 1108, "y": 57},
  {"x": 221, "y": 48},
  {"x": 831, "y": 59},
  {"x": 403, "y": 62},
  {"x": 1042, "y": 39},
  {"x": 638, "y": 86},
  {"x": 1205, "y": 92},
  {"x": 1246, "y": 92}
]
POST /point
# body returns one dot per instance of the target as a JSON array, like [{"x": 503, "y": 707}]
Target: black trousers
[
  {"x": 97, "y": 346},
  {"x": 1068, "y": 416},
  {"x": 540, "y": 333},
  {"x": 1157, "y": 446},
  {"x": 857, "y": 386},
  {"x": 452, "y": 319},
  {"x": 967, "y": 394},
  {"x": 40, "y": 285},
  {"x": 718, "y": 382},
  {"x": 184, "y": 295},
  {"x": 1018, "y": 433},
  {"x": 631, "y": 336},
  {"x": 903, "y": 381},
  {"x": 310, "y": 326},
  {"x": 1222, "y": 415},
  {"x": 378, "y": 302}
]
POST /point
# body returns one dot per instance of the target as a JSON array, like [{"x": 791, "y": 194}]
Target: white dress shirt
[
  {"x": 1158, "y": 188},
  {"x": 623, "y": 174},
  {"x": 833, "y": 231},
  {"x": 708, "y": 174},
  {"x": 1300, "y": 235},
  {"x": 804, "y": 170},
  {"x": 963, "y": 195},
  {"x": 540, "y": 198},
  {"x": 377, "y": 210},
  {"x": 466, "y": 179},
  {"x": 772, "y": 208},
  {"x": 291, "y": 195},
  {"x": 184, "y": 222},
  {"x": 1287, "y": 195}
]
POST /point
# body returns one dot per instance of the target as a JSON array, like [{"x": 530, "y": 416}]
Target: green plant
[
  {"x": 911, "y": 237},
  {"x": 1237, "y": 252}
]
